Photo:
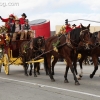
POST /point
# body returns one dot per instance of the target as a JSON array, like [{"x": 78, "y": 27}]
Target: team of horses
[{"x": 82, "y": 41}]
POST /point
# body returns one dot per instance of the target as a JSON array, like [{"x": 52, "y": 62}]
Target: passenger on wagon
[
  {"x": 68, "y": 30},
  {"x": 73, "y": 26},
  {"x": 22, "y": 19},
  {"x": 26, "y": 28},
  {"x": 8, "y": 22},
  {"x": 17, "y": 29}
]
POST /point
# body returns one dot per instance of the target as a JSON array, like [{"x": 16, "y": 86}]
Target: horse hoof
[
  {"x": 91, "y": 76},
  {"x": 35, "y": 75},
  {"x": 26, "y": 74},
  {"x": 53, "y": 73},
  {"x": 52, "y": 80},
  {"x": 30, "y": 74},
  {"x": 80, "y": 76},
  {"x": 39, "y": 73},
  {"x": 77, "y": 83},
  {"x": 47, "y": 74},
  {"x": 66, "y": 81}
]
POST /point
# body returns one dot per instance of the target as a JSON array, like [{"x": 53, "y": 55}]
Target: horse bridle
[{"x": 85, "y": 42}]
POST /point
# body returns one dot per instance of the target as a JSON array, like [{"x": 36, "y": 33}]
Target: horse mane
[{"x": 75, "y": 35}]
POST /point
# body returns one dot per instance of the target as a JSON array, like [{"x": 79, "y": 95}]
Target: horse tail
[{"x": 45, "y": 64}]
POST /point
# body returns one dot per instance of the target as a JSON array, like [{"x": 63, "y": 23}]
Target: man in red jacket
[
  {"x": 23, "y": 19},
  {"x": 8, "y": 22},
  {"x": 68, "y": 30}
]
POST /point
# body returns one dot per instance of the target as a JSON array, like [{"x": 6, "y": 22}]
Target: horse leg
[
  {"x": 35, "y": 66},
  {"x": 49, "y": 67},
  {"x": 81, "y": 68},
  {"x": 26, "y": 68},
  {"x": 75, "y": 67},
  {"x": 65, "y": 76},
  {"x": 31, "y": 66},
  {"x": 75, "y": 64},
  {"x": 45, "y": 64},
  {"x": 38, "y": 68},
  {"x": 95, "y": 61},
  {"x": 53, "y": 64},
  {"x": 72, "y": 70}
]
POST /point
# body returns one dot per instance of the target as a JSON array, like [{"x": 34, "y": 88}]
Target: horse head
[
  {"x": 85, "y": 40},
  {"x": 40, "y": 42},
  {"x": 95, "y": 38}
]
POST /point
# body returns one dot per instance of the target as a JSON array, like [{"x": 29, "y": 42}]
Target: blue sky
[{"x": 54, "y": 10}]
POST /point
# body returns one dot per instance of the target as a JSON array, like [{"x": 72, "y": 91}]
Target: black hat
[
  {"x": 73, "y": 25},
  {"x": 24, "y": 15}
]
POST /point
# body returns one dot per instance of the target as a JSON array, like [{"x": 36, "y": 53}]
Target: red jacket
[
  {"x": 22, "y": 21},
  {"x": 68, "y": 29},
  {"x": 7, "y": 22}
]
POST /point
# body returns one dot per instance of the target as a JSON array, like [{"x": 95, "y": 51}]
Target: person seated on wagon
[
  {"x": 23, "y": 19},
  {"x": 17, "y": 29},
  {"x": 8, "y": 22},
  {"x": 68, "y": 30},
  {"x": 26, "y": 28}
]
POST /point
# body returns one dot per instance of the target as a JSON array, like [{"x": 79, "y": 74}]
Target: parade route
[{"x": 16, "y": 86}]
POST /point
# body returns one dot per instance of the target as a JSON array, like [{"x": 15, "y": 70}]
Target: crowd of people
[{"x": 17, "y": 25}]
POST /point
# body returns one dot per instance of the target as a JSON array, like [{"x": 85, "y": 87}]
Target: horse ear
[
  {"x": 88, "y": 26},
  {"x": 82, "y": 26}
]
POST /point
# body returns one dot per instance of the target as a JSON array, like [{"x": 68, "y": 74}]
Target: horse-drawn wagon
[{"x": 10, "y": 52}]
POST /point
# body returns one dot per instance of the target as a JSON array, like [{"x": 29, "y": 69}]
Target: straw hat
[{"x": 16, "y": 18}]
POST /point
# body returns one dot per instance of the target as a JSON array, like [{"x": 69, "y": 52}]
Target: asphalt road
[{"x": 16, "y": 86}]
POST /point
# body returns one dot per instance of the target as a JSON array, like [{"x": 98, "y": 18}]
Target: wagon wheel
[{"x": 6, "y": 64}]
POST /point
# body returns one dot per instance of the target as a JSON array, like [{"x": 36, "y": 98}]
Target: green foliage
[
  {"x": 56, "y": 44},
  {"x": 3, "y": 29}
]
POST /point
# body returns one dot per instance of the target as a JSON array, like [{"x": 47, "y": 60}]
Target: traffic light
[{"x": 66, "y": 21}]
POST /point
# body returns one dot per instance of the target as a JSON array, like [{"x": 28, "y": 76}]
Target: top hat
[
  {"x": 24, "y": 15},
  {"x": 16, "y": 18},
  {"x": 73, "y": 25}
]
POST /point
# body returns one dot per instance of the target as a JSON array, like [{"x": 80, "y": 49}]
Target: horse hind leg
[
  {"x": 35, "y": 66},
  {"x": 95, "y": 61},
  {"x": 69, "y": 63},
  {"x": 46, "y": 64},
  {"x": 25, "y": 69},
  {"x": 65, "y": 76},
  {"x": 38, "y": 68},
  {"x": 31, "y": 66},
  {"x": 76, "y": 81}
]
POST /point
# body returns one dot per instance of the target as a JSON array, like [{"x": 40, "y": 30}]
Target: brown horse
[
  {"x": 94, "y": 52},
  {"x": 67, "y": 52},
  {"x": 29, "y": 50}
]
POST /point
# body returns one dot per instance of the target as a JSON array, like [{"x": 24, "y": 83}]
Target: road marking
[{"x": 57, "y": 88}]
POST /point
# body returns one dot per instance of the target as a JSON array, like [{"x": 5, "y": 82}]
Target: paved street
[{"x": 16, "y": 86}]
